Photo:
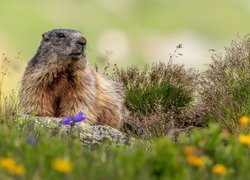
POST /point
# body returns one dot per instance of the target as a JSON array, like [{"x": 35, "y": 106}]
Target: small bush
[
  {"x": 168, "y": 84},
  {"x": 157, "y": 95},
  {"x": 225, "y": 89}
]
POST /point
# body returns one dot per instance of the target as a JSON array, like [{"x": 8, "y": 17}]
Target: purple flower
[
  {"x": 66, "y": 120},
  {"x": 79, "y": 117},
  {"x": 31, "y": 140}
]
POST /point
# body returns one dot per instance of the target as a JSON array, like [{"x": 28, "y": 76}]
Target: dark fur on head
[{"x": 59, "y": 45}]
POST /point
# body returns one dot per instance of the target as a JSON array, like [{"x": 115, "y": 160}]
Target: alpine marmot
[{"x": 58, "y": 82}]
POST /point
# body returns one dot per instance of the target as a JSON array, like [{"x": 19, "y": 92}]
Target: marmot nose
[{"x": 82, "y": 42}]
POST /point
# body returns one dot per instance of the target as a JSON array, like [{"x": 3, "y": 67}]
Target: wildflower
[
  {"x": 196, "y": 161},
  {"x": 10, "y": 165},
  {"x": 244, "y": 139},
  {"x": 77, "y": 118},
  {"x": 189, "y": 150},
  {"x": 7, "y": 163},
  {"x": 66, "y": 120},
  {"x": 219, "y": 169},
  {"x": 244, "y": 120},
  {"x": 18, "y": 170},
  {"x": 62, "y": 166},
  {"x": 31, "y": 140}
]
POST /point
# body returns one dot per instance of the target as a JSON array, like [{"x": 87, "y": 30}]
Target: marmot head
[{"x": 63, "y": 44}]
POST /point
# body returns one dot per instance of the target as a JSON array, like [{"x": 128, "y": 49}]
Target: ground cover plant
[{"x": 218, "y": 150}]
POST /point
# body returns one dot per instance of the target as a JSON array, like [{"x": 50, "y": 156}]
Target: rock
[{"x": 88, "y": 134}]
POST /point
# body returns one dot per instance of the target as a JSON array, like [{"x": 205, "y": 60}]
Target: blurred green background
[{"x": 123, "y": 31}]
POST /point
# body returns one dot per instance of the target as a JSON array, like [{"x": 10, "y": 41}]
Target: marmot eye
[{"x": 60, "y": 35}]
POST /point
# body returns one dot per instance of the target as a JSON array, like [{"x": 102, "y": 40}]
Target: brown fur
[{"x": 68, "y": 87}]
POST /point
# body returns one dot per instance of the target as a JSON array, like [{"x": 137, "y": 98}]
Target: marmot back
[{"x": 58, "y": 82}]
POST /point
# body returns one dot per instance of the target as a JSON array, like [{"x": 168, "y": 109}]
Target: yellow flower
[
  {"x": 10, "y": 165},
  {"x": 244, "y": 139},
  {"x": 18, "y": 170},
  {"x": 244, "y": 120},
  {"x": 219, "y": 169},
  {"x": 7, "y": 163},
  {"x": 189, "y": 150},
  {"x": 196, "y": 161},
  {"x": 62, "y": 166}
]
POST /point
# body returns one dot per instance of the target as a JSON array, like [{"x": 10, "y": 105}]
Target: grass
[{"x": 219, "y": 99}]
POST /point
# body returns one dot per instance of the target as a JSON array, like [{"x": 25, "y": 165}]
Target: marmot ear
[{"x": 45, "y": 36}]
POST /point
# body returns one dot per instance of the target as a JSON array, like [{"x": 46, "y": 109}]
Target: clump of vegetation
[
  {"x": 167, "y": 84},
  {"x": 225, "y": 89},
  {"x": 158, "y": 94}
]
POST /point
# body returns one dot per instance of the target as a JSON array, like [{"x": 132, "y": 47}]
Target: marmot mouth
[{"x": 76, "y": 55}]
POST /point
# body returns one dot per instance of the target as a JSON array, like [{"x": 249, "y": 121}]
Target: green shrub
[
  {"x": 143, "y": 99},
  {"x": 166, "y": 84},
  {"x": 225, "y": 89},
  {"x": 157, "y": 95}
]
